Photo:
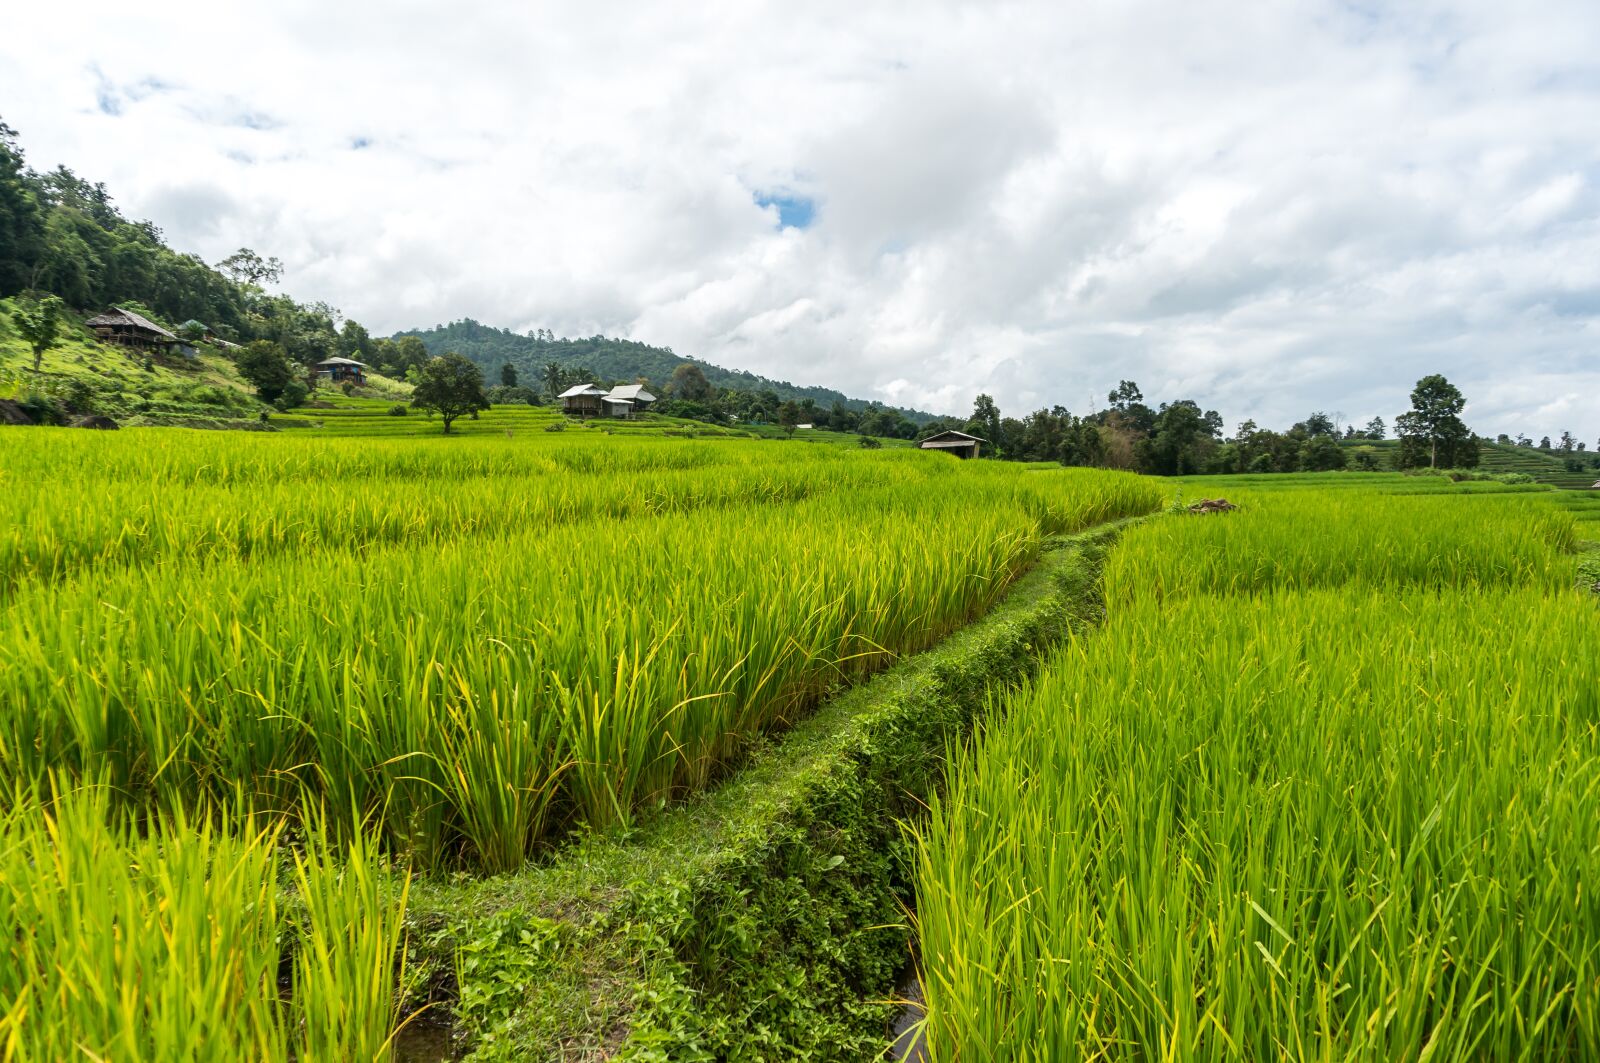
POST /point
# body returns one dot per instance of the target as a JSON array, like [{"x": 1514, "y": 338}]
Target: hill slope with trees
[{"x": 616, "y": 359}]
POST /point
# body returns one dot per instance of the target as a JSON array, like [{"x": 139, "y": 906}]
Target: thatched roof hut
[{"x": 128, "y": 329}]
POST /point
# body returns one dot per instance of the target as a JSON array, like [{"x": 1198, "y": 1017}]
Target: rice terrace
[{"x": 786, "y": 628}]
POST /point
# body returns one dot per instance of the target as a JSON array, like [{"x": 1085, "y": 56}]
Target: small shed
[
  {"x": 341, "y": 371},
  {"x": 583, "y": 400},
  {"x": 958, "y": 443},
  {"x": 625, "y": 400},
  {"x": 128, "y": 329}
]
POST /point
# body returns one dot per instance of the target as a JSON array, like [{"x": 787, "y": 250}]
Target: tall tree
[
  {"x": 244, "y": 266},
  {"x": 1376, "y": 429},
  {"x": 39, "y": 325},
  {"x": 21, "y": 220},
  {"x": 266, "y": 366},
  {"x": 1319, "y": 424},
  {"x": 1432, "y": 430},
  {"x": 450, "y": 386},
  {"x": 508, "y": 375},
  {"x": 354, "y": 341},
  {"x": 985, "y": 419},
  {"x": 689, "y": 384}
]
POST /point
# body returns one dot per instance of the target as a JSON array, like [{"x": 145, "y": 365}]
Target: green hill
[
  {"x": 1546, "y": 466},
  {"x": 134, "y": 388},
  {"x": 612, "y": 359}
]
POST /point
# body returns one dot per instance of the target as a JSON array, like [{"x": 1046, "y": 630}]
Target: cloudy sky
[{"x": 1269, "y": 207}]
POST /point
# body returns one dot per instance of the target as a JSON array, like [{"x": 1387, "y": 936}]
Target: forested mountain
[
  {"x": 614, "y": 359},
  {"x": 63, "y": 235}
]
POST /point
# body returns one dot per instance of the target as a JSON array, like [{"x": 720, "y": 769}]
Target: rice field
[
  {"x": 474, "y": 652},
  {"x": 1322, "y": 787},
  {"x": 250, "y": 687}
]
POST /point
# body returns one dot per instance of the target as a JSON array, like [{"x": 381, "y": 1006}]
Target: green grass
[{"x": 1320, "y": 789}]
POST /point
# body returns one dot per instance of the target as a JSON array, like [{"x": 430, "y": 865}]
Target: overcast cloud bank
[{"x": 1270, "y": 208}]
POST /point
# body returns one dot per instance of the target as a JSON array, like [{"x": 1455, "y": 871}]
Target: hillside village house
[
  {"x": 626, "y": 400},
  {"x": 592, "y": 400},
  {"x": 583, "y": 400},
  {"x": 341, "y": 371},
  {"x": 958, "y": 443},
  {"x": 125, "y": 328}
]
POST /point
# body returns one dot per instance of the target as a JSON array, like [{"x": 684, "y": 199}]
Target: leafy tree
[
  {"x": 789, "y": 416},
  {"x": 1125, "y": 395},
  {"x": 1319, "y": 424},
  {"x": 21, "y": 220},
  {"x": 267, "y": 367},
  {"x": 355, "y": 342},
  {"x": 985, "y": 420},
  {"x": 244, "y": 266},
  {"x": 508, "y": 375},
  {"x": 689, "y": 383},
  {"x": 553, "y": 377},
  {"x": 1432, "y": 432},
  {"x": 295, "y": 393},
  {"x": 1321, "y": 453},
  {"x": 450, "y": 385},
  {"x": 1568, "y": 442},
  {"x": 1544, "y": 444},
  {"x": 39, "y": 325},
  {"x": 1182, "y": 442}
]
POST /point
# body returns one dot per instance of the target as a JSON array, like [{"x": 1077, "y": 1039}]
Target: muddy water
[
  {"x": 907, "y": 1035},
  {"x": 429, "y": 1038}
]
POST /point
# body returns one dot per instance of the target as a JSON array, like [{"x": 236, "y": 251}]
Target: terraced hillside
[{"x": 1544, "y": 466}]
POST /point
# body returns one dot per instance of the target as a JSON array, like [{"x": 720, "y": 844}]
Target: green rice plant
[
  {"x": 1344, "y": 823},
  {"x": 166, "y": 943},
  {"x": 591, "y": 649},
  {"x": 1317, "y": 539}
]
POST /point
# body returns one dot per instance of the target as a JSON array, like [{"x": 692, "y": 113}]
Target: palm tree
[{"x": 553, "y": 375}]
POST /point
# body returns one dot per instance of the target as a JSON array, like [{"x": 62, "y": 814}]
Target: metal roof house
[
  {"x": 583, "y": 400},
  {"x": 128, "y": 329},
  {"x": 341, "y": 370},
  {"x": 625, "y": 400},
  {"x": 958, "y": 443}
]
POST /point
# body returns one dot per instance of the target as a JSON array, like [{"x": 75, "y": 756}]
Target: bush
[
  {"x": 294, "y": 394},
  {"x": 42, "y": 408},
  {"x": 556, "y": 426},
  {"x": 868, "y": 443},
  {"x": 399, "y": 409}
]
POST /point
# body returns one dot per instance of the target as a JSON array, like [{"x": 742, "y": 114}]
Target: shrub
[
  {"x": 868, "y": 443},
  {"x": 397, "y": 410},
  {"x": 294, "y": 394}
]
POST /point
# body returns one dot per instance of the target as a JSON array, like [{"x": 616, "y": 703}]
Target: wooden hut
[
  {"x": 583, "y": 400},
  {"x": 958, "y": 443},
  {"x": 341, "y": 371},
  {"x": 626, "y": 400},
  {"x": 125, "y": 328}
]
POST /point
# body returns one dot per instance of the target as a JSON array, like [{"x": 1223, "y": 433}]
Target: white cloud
[{"x": 1269, "y": 208}]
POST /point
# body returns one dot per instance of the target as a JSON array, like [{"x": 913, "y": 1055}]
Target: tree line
[{"x": 1180, "y": 438}]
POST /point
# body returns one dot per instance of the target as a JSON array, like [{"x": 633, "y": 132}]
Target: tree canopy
[{"x": 449, "y": 385}]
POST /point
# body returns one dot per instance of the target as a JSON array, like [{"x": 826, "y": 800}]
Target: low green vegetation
[{"x": 1321, "y": 788}]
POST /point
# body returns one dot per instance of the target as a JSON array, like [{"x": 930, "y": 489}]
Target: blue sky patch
[{"x": 794, "y": 212}]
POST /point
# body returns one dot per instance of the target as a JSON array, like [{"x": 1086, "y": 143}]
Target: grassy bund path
[{"x": 574, "y": 746}]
